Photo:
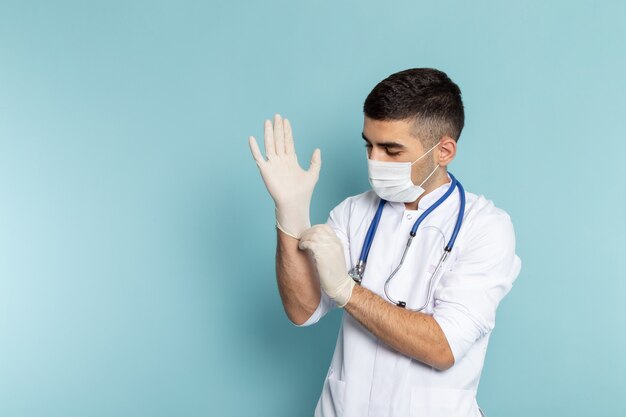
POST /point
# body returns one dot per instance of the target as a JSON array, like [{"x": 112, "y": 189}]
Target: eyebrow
[{"x": 385, "y": 144}]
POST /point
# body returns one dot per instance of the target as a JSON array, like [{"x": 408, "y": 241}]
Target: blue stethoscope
[{"x": 357, "y": 272}]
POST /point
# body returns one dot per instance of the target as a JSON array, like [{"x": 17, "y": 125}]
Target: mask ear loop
[
  {"x": 431, "y": 174},
  {"x": 425, "y": 153}
]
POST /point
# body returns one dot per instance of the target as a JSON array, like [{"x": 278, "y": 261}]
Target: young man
[{"x": 412, "y": 345}]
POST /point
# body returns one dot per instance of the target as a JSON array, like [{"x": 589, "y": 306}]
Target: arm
[
  {"x": 291, "y": 188},
  {"x": 298, "y": 285},
  {"x": 412, "y": 333},
  {"x": 465, "y": 300}
]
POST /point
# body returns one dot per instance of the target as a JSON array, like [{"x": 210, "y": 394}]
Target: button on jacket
[{"x": 367, "y": 377}]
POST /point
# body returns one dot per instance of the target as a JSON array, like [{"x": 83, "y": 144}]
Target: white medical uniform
[{"x": 366, "y": 377}]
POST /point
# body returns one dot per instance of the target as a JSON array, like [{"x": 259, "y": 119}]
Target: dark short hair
[{"x": 425, "y": 95}]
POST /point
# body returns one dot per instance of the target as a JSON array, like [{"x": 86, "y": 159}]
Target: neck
[{"x": 434, "y": 183}]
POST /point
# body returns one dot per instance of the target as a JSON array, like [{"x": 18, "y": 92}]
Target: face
[{"x": 393, "y": 141}]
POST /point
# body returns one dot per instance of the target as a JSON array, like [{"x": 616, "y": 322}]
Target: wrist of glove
[
  {"x": 293, "y": 219},
  {"x": 339, "y": 290},
  {"x": 328, "y": 255}
]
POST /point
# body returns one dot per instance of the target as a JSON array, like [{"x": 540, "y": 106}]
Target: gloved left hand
[
  {"x": 327, "y": 252},
  {"x": 290, "y": 186}
]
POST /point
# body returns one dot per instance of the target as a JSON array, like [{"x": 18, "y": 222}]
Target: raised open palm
[{"x": 289, "y": 185}]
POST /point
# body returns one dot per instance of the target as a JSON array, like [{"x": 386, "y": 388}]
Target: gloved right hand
[
  {"x": 328, "y": 255},
  {"x": 290, "y": 186}
]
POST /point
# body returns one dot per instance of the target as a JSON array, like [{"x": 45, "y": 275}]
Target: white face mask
[{"x": 392, "y": 180}]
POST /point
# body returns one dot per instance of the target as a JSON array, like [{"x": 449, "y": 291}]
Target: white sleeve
[
  {"x": 325, "y": 305},
  {"x": 468, "y": 294},
  {"x": 338, "y": 221}
]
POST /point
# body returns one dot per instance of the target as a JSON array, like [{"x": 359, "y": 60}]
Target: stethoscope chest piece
[{"x": 356, "y": 272}]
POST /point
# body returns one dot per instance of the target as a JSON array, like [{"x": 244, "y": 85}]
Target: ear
[{"x": 447, "y": 150}]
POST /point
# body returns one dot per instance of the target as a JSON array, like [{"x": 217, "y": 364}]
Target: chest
[{"x": 398, "y": 273}]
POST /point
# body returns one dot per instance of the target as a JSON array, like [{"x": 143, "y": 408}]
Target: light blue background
[{"x": 136, "y": 236}]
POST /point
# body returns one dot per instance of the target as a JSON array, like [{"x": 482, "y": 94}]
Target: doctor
[{"x": 390, "y": 360}]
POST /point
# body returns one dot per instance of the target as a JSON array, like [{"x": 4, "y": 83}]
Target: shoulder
[
  {"x": 480, "y": 207},
  {"x": 486, "y": 223}
]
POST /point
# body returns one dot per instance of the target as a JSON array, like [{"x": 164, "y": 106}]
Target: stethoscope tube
[
  {"x": 435, "y": 205},
  {"x": 357, "y": 272},
  {"x": 369, "y": 238},
  {"x": 459, "y": 219}
]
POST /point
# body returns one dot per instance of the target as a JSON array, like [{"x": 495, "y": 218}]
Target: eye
[{"x": 391, "y": 153}]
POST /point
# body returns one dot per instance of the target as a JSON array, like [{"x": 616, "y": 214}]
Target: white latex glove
[
  {"x": 290, "y": 186},
  {"x": 327, "y": 252}
]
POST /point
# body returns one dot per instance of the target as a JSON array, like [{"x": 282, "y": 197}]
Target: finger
[
  {"x": 303, "y": 244},
  {"x": 256, "y": 152},
  {"x": 308, "y": 237},
  {"x": 279, "y": 135},
  {"x": 325, "y": 229},
  {"x": 270, "y": 151},
  {"x": 306, "y": 244},
  {"x": 314, "y": 234},
  {"x": 324, "y": 234},
  {"x": 316, "y": 162},
  {"x": 289, "y": 146}
]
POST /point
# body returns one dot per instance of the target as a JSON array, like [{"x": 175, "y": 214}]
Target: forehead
[{"x": 400, "y": 131}]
